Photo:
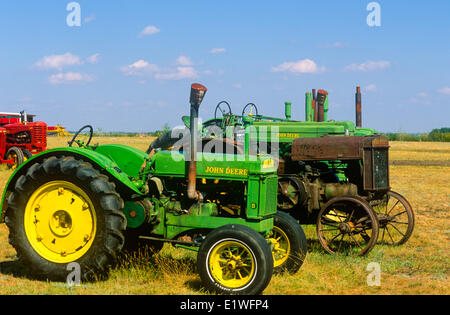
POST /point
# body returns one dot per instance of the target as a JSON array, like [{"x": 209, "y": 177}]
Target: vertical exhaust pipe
[
  {"x": 321, "y": 98},
  {"x": 198, "y": 92},
  {"x": 358, "y": 108}
]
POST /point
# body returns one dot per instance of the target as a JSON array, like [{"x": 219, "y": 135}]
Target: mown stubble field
[{"x": 421, "y": 172}]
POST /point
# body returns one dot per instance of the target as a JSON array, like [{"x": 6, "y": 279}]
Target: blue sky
[{"x": 129, "y": 66}]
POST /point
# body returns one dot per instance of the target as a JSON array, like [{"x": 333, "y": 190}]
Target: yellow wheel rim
[
  {"x": 281, "y": 246},
  {"x": 13, "y": 156},
  {"x": 60, "y": 222},
  {"x": 232, "y": 264}
]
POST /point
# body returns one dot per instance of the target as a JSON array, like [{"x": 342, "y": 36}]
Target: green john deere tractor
[
  {"x": 334, "y": 174},
  {"x": 84, "y": 203}
]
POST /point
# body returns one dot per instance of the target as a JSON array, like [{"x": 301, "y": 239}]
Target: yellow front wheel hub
[
  {"x": 60, "y": 222},
  {"x": 232, "y": 264},
  {"x": 281, "y": 247}
]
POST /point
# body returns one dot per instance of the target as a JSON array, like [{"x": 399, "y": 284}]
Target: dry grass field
[{"x": 419, "y": 267}]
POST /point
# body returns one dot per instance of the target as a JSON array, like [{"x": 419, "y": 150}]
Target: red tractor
[{"x": 20, "y": 138}]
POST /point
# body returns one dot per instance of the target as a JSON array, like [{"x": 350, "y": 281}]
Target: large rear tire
[{"x": 64, "y": 211}]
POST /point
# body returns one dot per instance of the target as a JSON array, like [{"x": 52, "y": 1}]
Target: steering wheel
[
  {"x": 91, "y": 133},
  {"x": 224, "y": 108},
  {"x": 250, "y": 110}
]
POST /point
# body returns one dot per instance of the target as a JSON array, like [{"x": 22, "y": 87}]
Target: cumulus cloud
[
  {"x": 149, "y": 30},
  {"x": 301, "y": 66},
  {"x": 69, "y": 77},
  {"x": 179, "y": 74},
  {"x": 445, "y": 91},
  {"x": 184, "y": 61},
  {"x": 58, "y": 62},
  {"x": 140, "y": 67},
  {"x": 217, "y": 50},
  {"x": 369, "y": 66},
  {"x": 93, "y": 59},
  {"x": 370, "y": 88}
]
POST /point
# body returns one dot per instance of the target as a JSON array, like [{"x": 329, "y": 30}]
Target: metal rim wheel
[
  {"x": 63, "y": 211},
  {"x": 396, "y": 218},
  {"x": 17, "y": 156},
  {"x": 347, "y": 225},
  {"x": 235, "y": 259},
  {"x": 55, "y": 227}
]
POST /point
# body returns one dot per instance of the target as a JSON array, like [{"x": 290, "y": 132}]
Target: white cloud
[
  {"x": 184, "y": 61},
  {"x": 370, "y": 88},
  {"x": 140, "y": 67},
  {"x": 217, "y": 50},
  {"x": 238, "y": 86},
  {"x": 301, "y": 66},
  {"x": 369, "y": 66},
  {"x": 179, "y": 74},
  {"x": 69, "y": 77},
  {"x": 149, "y": 30},
  {"x": 445, "y": 91},
  {"x": 58, "y": 62},
  {"x": 93, "y": 59}
]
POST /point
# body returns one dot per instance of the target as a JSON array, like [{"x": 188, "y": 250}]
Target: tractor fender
[{"x": 103, "y": 162}]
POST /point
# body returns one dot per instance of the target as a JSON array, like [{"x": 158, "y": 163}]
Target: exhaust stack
[
  {"x": 358, "y": 108},
  {"x": 198, "y": 92}
]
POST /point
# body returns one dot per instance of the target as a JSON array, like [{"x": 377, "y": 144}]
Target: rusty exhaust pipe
[
  {"x": 198, "y": 92},
  {"x": 358, "y": 108},
  {"x": 320, "y": 103}
]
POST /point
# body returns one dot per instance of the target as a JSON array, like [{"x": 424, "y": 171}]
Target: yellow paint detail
[
  {"x": 232, "y": 264},
  {"x": 226, "y": 171},
  {"x": 269, "y": 163},
  {"x": 289, "y": 135},
  {"x": 281, "y": 246},
  {"x": 60, "y": 222}
]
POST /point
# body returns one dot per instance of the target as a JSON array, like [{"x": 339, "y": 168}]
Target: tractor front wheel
[
  {"x": 235, "y": 259},
  {"x": 289, "y": 244},
  {"x": 17, "y": 156},
  {"x": 63, "y": 211}
]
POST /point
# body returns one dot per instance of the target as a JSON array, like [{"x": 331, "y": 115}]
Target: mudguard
[{"x": 121, "y": 163}]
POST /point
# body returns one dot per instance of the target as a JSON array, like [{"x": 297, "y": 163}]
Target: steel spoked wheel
[
  {"x": 232, "y": 264},
  {"x": 396, "y": 218},
  {"x": 347, "y": 225},
  {"x": 235, "y": 259}
]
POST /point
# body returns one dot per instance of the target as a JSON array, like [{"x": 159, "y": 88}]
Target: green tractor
[
  {"x": 334, "y": 174},
  {"x": 84, "y": 203}
]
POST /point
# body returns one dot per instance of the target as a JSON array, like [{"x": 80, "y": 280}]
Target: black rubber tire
[
  {"x": 297, "y": 240},
  {"x": 111, "y": 221},
  {"x": 27, "y": 154},
  {"x": 254, "y": 242},
  {"x": 18, "y": 156}
]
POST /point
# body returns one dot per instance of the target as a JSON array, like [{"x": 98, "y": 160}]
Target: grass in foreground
[{"x": 419, "y": 267}]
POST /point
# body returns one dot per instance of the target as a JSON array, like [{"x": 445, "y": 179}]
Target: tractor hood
[{"x": 210, "y": 165}]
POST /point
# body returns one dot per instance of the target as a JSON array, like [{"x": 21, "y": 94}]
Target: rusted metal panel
[
  {"x": 326, "y": 148},
  {"x": 335, "y": 148}
]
